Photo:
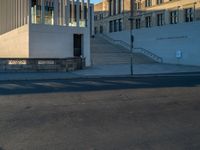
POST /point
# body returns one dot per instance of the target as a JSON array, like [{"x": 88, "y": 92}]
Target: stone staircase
[{"x": 106, "y": 53}]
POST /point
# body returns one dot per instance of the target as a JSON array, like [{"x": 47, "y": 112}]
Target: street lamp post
[
  {"x": 131, "y": 44},
  {"x": 131, "y": 33}
]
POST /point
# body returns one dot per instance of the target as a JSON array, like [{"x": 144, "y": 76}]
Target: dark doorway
[{"x": 78, "y": 45}]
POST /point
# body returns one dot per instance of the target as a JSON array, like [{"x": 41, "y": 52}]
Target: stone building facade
[
  {"x": 147, "y": 13},
  {"x": 111, "y": 16}
]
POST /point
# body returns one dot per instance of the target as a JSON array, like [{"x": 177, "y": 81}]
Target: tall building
[
  {"x": 45, "y": 28},
  {"x": 112, "y": 17}
]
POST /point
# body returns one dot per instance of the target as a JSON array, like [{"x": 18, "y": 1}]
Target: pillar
[
  {"x": 166, "y": 17},
  {"x": 82, "y": 10},
  {"x": 43, "y": 12},
  {"x": 29, "y": 12},
  {"x": 55, "y": 15},
  {"x": 67, "y": 11},
  {"x": 72, "y": 11},
  {"x": 88, "y": 14},
  {"x": 77, "y": 13}
]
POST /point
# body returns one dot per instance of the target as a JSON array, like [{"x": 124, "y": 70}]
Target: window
[
  {"x": 36, "y": 12},
  {"x": 148, "y": 3},
  {"x": 189, "y": 15},
  {"x": 138, "y": 5},
  {"x": 174, "y": 17},
  {"x": 100, "y": 16},
  {"x": 101, "y": 29},
  {"x": 159, "y": 2},
  {"x": 110, "y": 26},
  {"x": 95, "y": 30},
  {"x": 95, "y": 17},
  {"x": 137, "y": 23},
  {"x": 160, "y": 19},
  {"x": 148, "y": 21}
]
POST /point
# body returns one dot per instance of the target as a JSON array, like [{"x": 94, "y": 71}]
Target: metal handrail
[
  {"x": 150, "y": 54},
  {"x": 140, "y": 49}
]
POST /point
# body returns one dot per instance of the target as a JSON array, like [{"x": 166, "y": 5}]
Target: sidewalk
[{"x": 105, "y": 71}]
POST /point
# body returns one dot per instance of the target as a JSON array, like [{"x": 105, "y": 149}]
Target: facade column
[
  {"x": 77, "y": 13},
  {"x": 72, "y": 12},
  {"x": 154, "y": 20},
  {"x": 82, "y": 11},
  {"x": 42, "y": 12},
  {"x": 92, "y": 21},
  {"x": 63, "y": 12},
  {"x": 29, "y": 12},
  {"x": 166, "y": 17},
  {"x": 55, "y": 15},
  {"x": 88, "y": 15},
  {"x": 67, "y": 13}
]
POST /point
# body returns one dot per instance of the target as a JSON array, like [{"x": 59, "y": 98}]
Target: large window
[
  {"x": 148, "y": 21},
  {"x": 49, "y": 10},
  {"x": 36, "y": 12},
  {"x": 174, "y": 17},
  {"x": 160, "y": 19},
  {"x": 189, "y": 15},
  {"x": 115, "y": 25},
  {"x": 159, "y": 2},
  {"x": 111, "y": 26},
  {"x": 148, "y": 3},
  {"x": 138, "y": 23}
]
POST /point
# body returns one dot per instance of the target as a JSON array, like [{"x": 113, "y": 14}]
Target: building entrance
[{"x": 78, "y": 45}]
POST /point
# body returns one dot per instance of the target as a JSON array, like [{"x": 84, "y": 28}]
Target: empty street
[{"x": 151, "y": 113}]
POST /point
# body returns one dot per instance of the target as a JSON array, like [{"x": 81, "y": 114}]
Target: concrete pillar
[
  {"x": 42, "y": 11},
  {"x": 77, "y": 13},
  {"x": 82, "y": 10},
  {"x": 92, "y": 21},
  {"x": 72, "y": 11},
  {"x": 29, "y": 12},
  {"x": 67, "y": 12},
  {"x": 154, "y": 19},
  {"x": 88, "y": 14},
  {"x": 167, "y": 17},
  {"x": 181, "y": 15},
  {"x": 55, "y": 2},
  {"x": 63, "y": 12}
]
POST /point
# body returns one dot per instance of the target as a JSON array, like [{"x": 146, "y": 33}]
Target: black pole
[{"x": 131, "y": 33}]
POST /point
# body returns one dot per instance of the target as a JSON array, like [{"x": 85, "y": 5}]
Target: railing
[
  {"x": 136, "y": 49},
  {"x": 119, "y": 42},
  {"x": 148, "y": 53}
]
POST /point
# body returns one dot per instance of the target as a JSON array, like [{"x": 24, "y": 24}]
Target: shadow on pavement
[{"x": 97, "y": 84}]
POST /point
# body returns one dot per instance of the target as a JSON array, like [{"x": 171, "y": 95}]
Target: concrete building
[{"x": 46, "y": 29}]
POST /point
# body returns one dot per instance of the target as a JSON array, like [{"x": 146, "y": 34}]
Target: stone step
[{"x": 103, "y": 52}]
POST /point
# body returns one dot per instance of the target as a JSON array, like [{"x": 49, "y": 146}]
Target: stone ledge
[{"x": 41, "y": 64}]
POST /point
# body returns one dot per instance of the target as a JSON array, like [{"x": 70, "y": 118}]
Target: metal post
[
  {"x": 131, "y": 33},
  {"x": 131, "y": 44}
]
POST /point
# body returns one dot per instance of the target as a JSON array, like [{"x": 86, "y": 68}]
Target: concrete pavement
[{"x": 105, "y": 71}]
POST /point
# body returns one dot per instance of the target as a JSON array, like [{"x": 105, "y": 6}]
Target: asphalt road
[{"x": 161, "y": 113}]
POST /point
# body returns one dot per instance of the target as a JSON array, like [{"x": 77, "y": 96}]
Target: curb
[{"x": 182, "y": 74}]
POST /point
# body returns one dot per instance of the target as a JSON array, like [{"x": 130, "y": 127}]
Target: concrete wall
[
  {"x": 167, "y": 40},
  {"x": 48, "y": 41},
  {"x": 14, "y": 44}
]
